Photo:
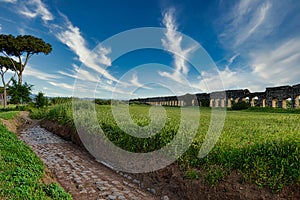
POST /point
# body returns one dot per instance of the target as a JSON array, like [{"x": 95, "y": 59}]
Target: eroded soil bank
[{"x": 170, "y": 181}]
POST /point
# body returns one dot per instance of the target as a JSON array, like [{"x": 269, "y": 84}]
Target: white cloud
[
  {"x": 253, "y": 25},
  {"x": 96, "y": 60},
  {"x": 30, "y": 71},
  {"x": 248, "y": 20},
  {"x": 9, "y": 1},
  {"x": 135, "y": 82},
  {"x": 227, "y": 79},
  {"x": 173, "y": 43},
  {"x": 267, "y": 45},
  {"x": 34, "y": 8},
  {"x": 61, "y": 85},
  {"x": 111, "y": 89},
  {"x": 279, "y": 64},
  {"x": 80, "y": 74},
  {"x": 271, "y": 66},
  {"x": 231, "y": 60}
]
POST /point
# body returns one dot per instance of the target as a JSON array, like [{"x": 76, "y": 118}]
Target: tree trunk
[
  {"x": 20, "y": 78},
  {"x": 4, "y": 97},
  {"x": 21, "y": 68},
  {"x": 4, "y": 89}
]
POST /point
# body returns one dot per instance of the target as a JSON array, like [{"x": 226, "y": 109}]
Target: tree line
[{"x": 15, "y": 53}]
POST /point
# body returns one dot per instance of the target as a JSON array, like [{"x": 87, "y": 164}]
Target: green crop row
[
  {"x": 21, "y": 171},
  {"x": 263, "y": 146}
]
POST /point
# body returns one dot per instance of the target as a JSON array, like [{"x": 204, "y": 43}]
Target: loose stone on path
[{"x": 77, "y": 171}]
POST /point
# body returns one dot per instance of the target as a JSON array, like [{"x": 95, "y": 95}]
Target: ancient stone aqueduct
[{"x": 272, "y": 97}]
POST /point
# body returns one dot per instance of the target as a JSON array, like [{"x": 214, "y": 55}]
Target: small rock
[
  {"x": 111, "y": 197},
  {"x": 136, "y": 181},
  {"x": 165, "y": 197},
  {"x": 115, "y": 182},
  {"x": 92, "y": 190},
  {"x": 153, "y": 191},
  {"x": 140, "y": 192},
  {"x": 121, "y": 197},
  {"x": 83, "y": 191},
  {"x": 106, "y": 193},
  {"x": 102, "y": 188},
  {"x": 116, "y": 193}
]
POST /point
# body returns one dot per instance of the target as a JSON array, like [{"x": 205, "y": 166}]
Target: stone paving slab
[{"x": 77, "y": 171}]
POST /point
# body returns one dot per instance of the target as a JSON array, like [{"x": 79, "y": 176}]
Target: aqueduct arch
[
  {"x": 296, "y": 96},
  {"x": 276, "y": 96},
  {"x": 272, "y": 97}
]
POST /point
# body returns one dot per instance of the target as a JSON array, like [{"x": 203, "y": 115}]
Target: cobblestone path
[{"x": 78, "y": 172}]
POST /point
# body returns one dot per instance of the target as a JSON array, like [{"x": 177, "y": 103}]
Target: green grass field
[{"x": 263, "y": 146}]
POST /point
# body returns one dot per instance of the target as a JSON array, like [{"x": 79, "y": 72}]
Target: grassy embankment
[
  {"x": 263, "y": 146},
  {"x": 21, "y": 171}
]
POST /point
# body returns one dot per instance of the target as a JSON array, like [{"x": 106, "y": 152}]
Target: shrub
[
  {"x": 241, "y": 105},
  {"x": 40, "y": 100}
]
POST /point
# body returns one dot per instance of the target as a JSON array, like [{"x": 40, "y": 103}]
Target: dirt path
[{"x": 75, "y": 169}]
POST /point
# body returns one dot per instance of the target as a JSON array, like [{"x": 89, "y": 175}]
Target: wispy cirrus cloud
[
  {"x": 33, "y": 9},
  {"x": 9, "y": 1},
  {"x": 173, "y": 43},
  {"x": 232, "y": 58},
  {"x": 30, "y": 71},
  {"x": 245, "y": 21},
  {"x": 279, "y": 65},
  {"x": 62, "y": 85},
  {"x": 260, "y": 37},
  {"x": 84, "y": 74},
  {"x": 135, "y": 82},
  {"x": 230, "y": 79},
  {"x": 96, "y": 59}
]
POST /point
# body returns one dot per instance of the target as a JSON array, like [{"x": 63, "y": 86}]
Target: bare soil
[{"x": 170, "y": 181}]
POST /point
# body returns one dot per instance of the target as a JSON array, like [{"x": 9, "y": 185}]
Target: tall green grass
[
  {"x": 263, "y": 146},
  {"x": 61, "y": 113}
]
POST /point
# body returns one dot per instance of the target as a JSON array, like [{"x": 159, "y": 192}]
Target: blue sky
[{"x": 246, "y": 44}]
